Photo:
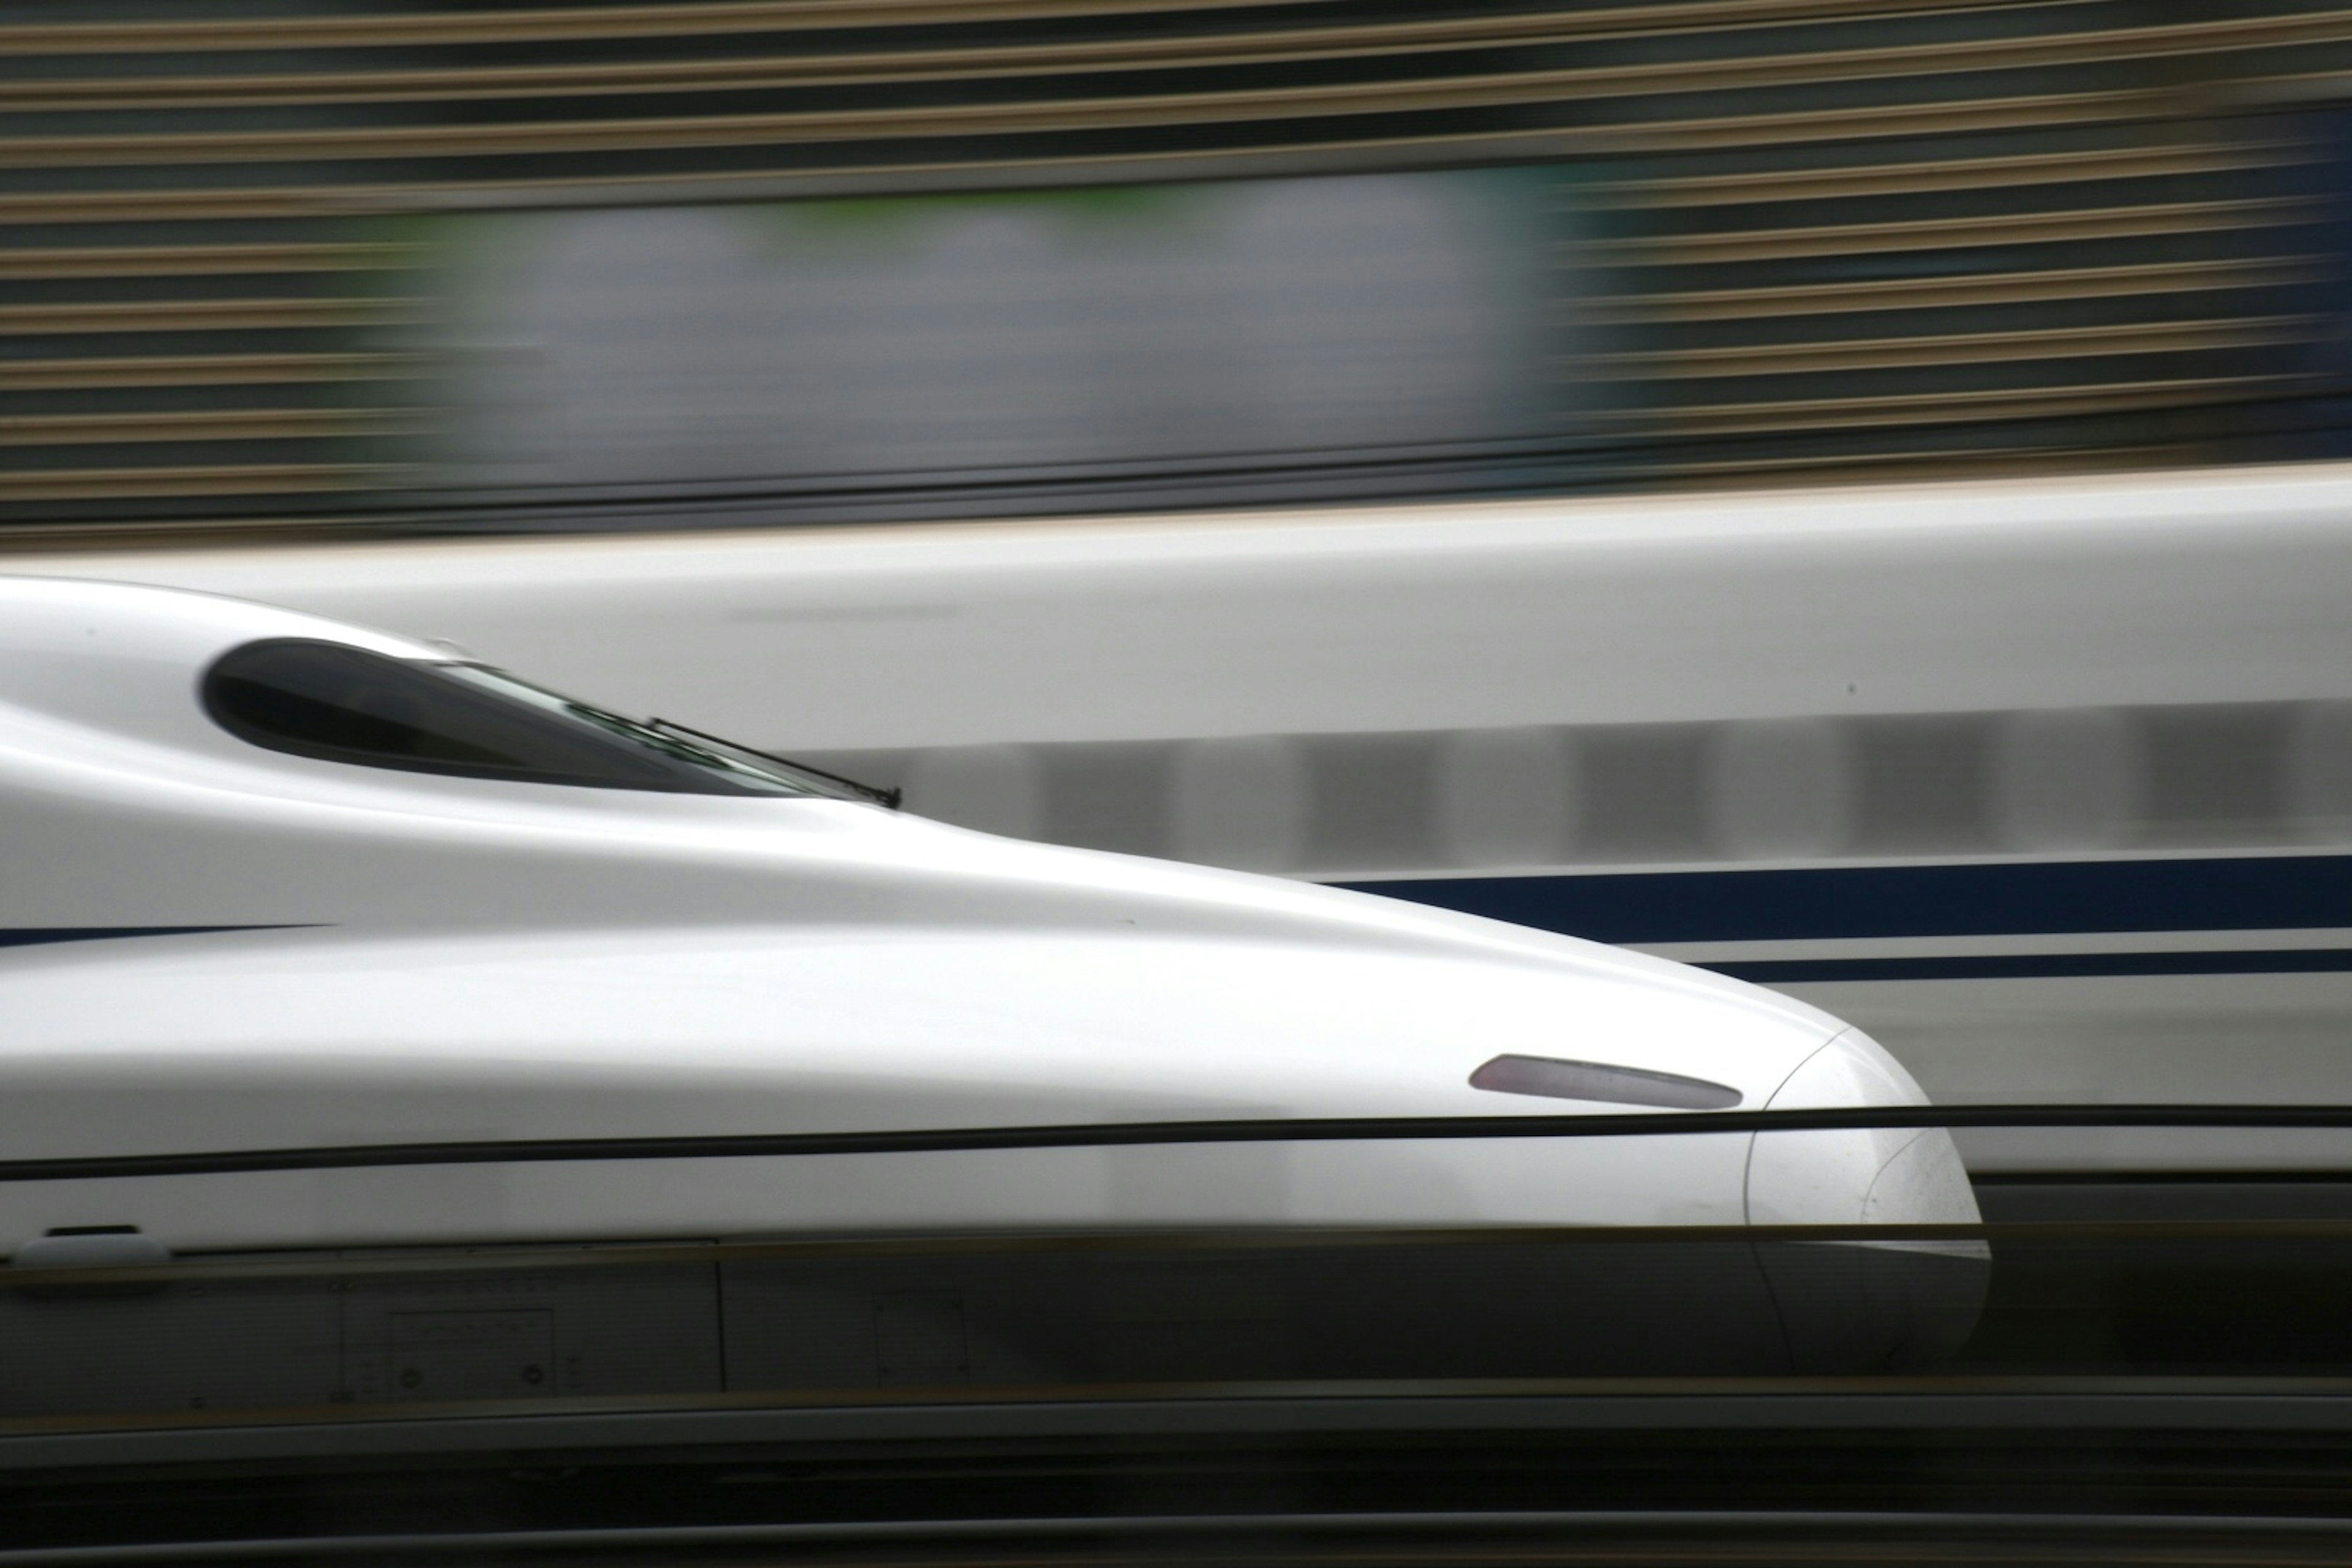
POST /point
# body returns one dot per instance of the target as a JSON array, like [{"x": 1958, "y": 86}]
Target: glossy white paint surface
[{"x": 476, "y": 958}]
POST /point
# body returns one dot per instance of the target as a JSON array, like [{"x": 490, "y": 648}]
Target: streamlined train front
[{"x": 279, "y": 881}]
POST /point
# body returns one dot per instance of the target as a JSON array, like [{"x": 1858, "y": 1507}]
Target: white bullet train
[
  {"x": 2046, "y": 784},
  {"x": 276, "y": 881}
]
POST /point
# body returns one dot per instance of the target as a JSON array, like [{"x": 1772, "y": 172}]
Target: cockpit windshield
[{"x": 343, "y": 704}]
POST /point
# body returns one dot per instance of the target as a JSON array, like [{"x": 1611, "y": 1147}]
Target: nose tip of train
[
  {"x": 1895, "y": 1176},
  {"x": 1862, "y": 1305}
]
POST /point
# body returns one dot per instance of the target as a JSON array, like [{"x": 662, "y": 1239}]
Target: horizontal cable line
[
  {"x": 1966, "y": 348},
  {"x": 1623, "y": 1535},
  {"x": 1944, "y": 293},
  {"x": 485, "y": 25},
  {"x": 1947, "y": 174},
  {"x": 203, "y": 425},
  {"x": 255, "y": 478},
  {"x": 1339, "y": 40},
  {"x": 1956, "y": 408},
  {"x": 184, "y": 260},
  {"x": 1950, "y": 234},
  {"x": 205, "y": 369},
  {"x": 1482, "y": 89},
  {"x": 200, "y": 315},
  {"x": 1135, "y": 1134},
  {"x": 533, "y": 1258}
]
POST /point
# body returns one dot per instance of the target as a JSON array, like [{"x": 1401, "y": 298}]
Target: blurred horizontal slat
[
  {"x": 1338, "y": 39},
  {"x": 260, "y": 478},
  {"x": 1968, "y": 348},
  {"x": 1945, "y": 234},
  {"x": 1903, "y": 467},
  {"x": 1985, "y": 288},
  {"x": 190, "y": 260},
  {"x": 1484, "y": 92},
  {"x": 1959, "y": 407},
  {"x": 205, "y": 370},
  {"x": 325, "y": 523},
  {"x": 199, "y": 315},
  {"x": 202, "y": 425},
  {"x": 1873, "y": 121},
  {"x": 500, "y": 25},
  {"x": 2071, "y": 167},
  {"x": 486, "y": 25},
  {"x": 1487, "y": 88},
  {"x": 171, "y": 203}
]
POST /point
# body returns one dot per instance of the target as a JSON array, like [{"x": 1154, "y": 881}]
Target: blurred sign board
[{"x": 1243, "y": 338}]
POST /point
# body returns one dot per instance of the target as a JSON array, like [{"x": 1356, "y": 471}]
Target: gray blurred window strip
[{"x": 1560, "y": 1080}]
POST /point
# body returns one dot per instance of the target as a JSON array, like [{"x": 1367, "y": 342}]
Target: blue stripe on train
[
  {"x": 2038, "y": 965},
  {"x": 2254, "y": 893}
]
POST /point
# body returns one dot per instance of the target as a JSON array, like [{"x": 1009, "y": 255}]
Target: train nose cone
[
  {"x": 1895, "y": 1176},
  {"x": 1864, "y": 1306}
]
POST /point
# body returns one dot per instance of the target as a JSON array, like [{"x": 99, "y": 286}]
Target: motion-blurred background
[{"x": 369, "y": 264}]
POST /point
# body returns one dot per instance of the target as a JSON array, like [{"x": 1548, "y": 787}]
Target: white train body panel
[
  {"x": 2079, "y": 751},
  {"x": 218, "y": 945}
]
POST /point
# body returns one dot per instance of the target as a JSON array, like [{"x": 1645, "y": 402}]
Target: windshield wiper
[{"x": 880, "y": 797}]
